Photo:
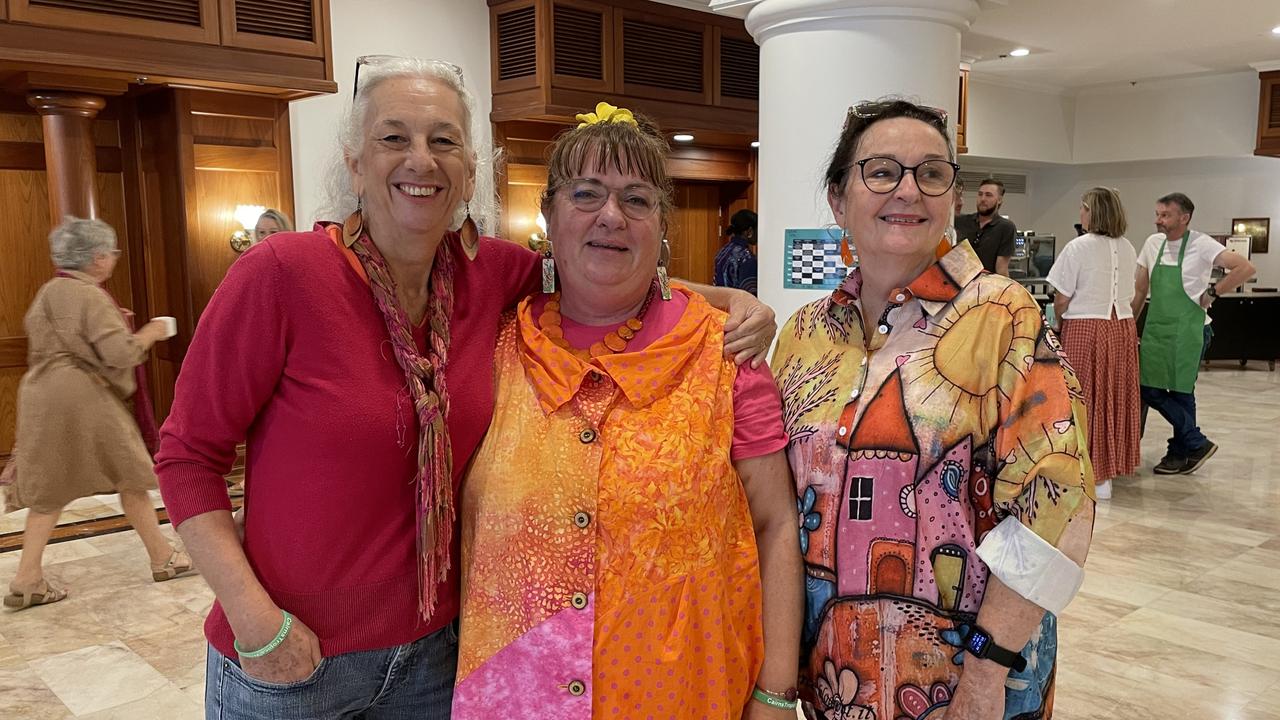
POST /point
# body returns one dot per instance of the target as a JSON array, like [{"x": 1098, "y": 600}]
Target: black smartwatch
[
  {"x": 1213, "y": 293},
  {"x": 980, "y": 645}
]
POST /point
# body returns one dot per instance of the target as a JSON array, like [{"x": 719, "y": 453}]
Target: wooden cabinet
[
  {"x": 688, "y": 70},
  {"x": 1269, "y": 114},
  {"x": 183, "y": 20},
  {"x": 278, "y": 47}
]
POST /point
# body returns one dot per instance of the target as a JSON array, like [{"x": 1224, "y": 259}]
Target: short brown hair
[
  {"x": 1106, "y": 212},
  {"x": 993, "y": 181},
  {"x": 639, "y": 149}
]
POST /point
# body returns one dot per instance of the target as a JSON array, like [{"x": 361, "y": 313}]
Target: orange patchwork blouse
[{"x": 609, "y": 563}]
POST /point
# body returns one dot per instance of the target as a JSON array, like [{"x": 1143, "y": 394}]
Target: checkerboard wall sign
[{"x": 813, "y": 260}]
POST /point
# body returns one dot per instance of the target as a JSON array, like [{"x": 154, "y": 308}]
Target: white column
[{"x": 818, "y": 57}]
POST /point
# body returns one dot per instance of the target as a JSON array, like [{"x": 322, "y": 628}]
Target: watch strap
[{"x": 993, "y": 652}]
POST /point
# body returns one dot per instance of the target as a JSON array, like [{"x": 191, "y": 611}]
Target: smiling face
[
  {"x": 605, "y": 257},
  {"x": 905, "y": 222},
  {"x": 414, "y": 168}
]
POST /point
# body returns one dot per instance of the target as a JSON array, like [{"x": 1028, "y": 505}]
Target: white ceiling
[{"x": 1079, "y": 43}]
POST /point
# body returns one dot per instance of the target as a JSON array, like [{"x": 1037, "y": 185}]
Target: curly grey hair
[
  {"x": 75, "y": 243},
  {"x": 340, "y": 199}
]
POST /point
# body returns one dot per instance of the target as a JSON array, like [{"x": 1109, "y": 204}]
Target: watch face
[{"x": 978, "y": 642}]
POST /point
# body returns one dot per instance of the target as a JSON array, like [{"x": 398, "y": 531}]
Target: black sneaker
[
  {"x": 1197, "y": 458},
  {"x": 1171, "y": 465}
]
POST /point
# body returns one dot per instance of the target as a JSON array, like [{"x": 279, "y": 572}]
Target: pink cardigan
[{"x": 292, "y": 357}]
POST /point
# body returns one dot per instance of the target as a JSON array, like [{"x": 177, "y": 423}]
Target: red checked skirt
[{"x": 1104, "y": 354}]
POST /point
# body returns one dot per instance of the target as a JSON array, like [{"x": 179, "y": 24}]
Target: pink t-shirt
[{"x": 757, "y": 405}]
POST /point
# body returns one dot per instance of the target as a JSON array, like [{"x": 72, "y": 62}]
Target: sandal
[
  {"x": 178, "y": 563},
  {"x": 43, "y": 595}
]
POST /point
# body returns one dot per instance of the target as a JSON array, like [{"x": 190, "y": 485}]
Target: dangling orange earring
[{"x": 846, "y": 251}]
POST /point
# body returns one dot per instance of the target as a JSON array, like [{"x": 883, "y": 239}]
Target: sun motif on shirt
[{"x": 980, "y": 337}]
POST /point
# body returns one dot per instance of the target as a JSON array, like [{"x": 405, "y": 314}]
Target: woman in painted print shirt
[{"x": 938, "y": 446}]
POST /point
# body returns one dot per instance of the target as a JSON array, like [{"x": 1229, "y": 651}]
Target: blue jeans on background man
[
  {"x": 1179, "y": 409},
  {"x": 407, "y": 682}
]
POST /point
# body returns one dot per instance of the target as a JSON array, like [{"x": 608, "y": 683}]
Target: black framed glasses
[
  {"x": 379, "y": 59},
  {"x": 883, "y": 175}
]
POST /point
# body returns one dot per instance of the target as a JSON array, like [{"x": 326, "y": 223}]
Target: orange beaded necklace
[{"x": 615, "y": 342}]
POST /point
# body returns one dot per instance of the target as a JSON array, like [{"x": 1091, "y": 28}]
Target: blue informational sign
[{"x": 813, "y": 259}]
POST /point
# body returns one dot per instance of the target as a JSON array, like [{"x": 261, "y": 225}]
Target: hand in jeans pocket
[{"x": 295, "y": 660}]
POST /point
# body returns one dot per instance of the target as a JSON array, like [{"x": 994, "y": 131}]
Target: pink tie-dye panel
[{"x": 535, "y": 675}]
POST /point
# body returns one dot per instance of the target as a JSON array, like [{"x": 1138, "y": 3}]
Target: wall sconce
[
  {"x": 246, "y": 216},
  {"x": 537, "y": 240}
]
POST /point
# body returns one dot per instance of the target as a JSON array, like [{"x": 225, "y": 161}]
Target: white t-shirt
[
  {"x": 1197, "y": 265},
  {"x": 1096, "y": 272}
]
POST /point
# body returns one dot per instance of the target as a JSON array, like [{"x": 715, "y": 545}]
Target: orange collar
[{"x": 642, "y": 375}]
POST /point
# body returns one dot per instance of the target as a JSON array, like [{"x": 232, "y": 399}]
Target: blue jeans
[{"x": 408, "y": 682}]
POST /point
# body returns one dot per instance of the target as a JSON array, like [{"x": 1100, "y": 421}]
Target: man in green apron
[{"x": 1175, "y": 266}]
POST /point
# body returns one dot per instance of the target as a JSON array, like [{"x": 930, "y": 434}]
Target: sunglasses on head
[
  {"x": 875, "y": 108},
  {"x": 379, "y": 59}
]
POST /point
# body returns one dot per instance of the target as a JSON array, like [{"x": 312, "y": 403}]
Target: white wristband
[{"x": 1030, "y": 566}]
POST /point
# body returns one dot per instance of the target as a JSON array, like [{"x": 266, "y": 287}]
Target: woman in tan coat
[{"x": 77, "y": 434}]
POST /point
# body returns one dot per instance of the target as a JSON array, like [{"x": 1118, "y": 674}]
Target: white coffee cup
[{"x": 170, "y": 325}]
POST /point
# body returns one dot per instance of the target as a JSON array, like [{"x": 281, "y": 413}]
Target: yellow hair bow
[{"x": 606, "y": 113}]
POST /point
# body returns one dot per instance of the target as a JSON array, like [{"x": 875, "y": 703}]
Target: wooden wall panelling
[
  {"x": 694, "y": 231},
  {"x": 653, "y": 57},
  {"x": 607, "y": 54},
  {"x": 281, "y": 26},
  {"x": 523, "y": 39},
  {"x": 525, "y": 184},
  {"x": 564, "y": 104},
  {"x": 124, "y": 23},
  {"x": 1269, "y": 114},
  {"x": 719, "y": 37},
  {"x": 709, "y": 164},
  {"x": 163, "y": 61},
  {"x": 237, "y": 161},
  {"x": 962, "y": 114},
  {"x": 162, "y": 127}
]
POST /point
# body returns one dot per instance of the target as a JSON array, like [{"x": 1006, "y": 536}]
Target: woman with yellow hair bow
[{"x": 629, "y": 541}]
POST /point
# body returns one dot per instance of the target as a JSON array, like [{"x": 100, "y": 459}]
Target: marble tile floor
[{"x": 1179, "y": 616}]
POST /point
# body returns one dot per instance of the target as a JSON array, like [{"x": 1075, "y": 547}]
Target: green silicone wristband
[
  {"x": 285, "y": 627},
  {"x": 772, "y": 700}
]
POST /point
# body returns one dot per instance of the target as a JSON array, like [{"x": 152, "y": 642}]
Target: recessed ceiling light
[
  {"x": 755, "y": 143},
  {"x": 1275, "y": 30},
  {"x": 1020, "y": 52},
  {"x": 682, "y": 137}
]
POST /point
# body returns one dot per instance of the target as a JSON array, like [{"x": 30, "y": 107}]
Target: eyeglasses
[
  {"x": 876, "y": 108},
  {"x": 638, "y": 202},
  {"x": 882, "y": 175},
  {"x": 379, "y": 59}
]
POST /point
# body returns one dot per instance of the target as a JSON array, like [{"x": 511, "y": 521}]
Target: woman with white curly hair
[
  {"x": 356, "y": 361},
  {"x": 85, "y": 425}
]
